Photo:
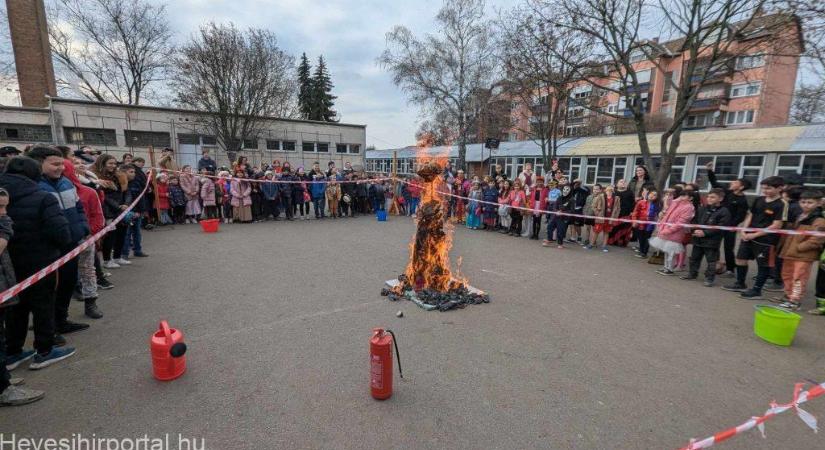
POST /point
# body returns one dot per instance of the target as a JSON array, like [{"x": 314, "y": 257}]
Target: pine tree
[
  {"x": 322, "y": 98},
  {"x": 305, "y": 88}
]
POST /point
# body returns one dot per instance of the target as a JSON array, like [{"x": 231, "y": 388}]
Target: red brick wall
[{"x": 32, "y": 54}]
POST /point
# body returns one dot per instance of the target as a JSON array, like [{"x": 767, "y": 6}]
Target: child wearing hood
[
  {"x": 555, "y": 222},
  {"x": 271, "y": 192},
  {"x": 177, "y": 200},
  {"x": 318, "y": 191}
]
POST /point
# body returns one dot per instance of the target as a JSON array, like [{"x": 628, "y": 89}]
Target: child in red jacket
[
  {"x": 94, "y": 215},
  {"x": 162, "y": 203}
]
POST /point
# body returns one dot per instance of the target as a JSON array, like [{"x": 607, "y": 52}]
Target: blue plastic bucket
[{"x": 381, "y": 215}]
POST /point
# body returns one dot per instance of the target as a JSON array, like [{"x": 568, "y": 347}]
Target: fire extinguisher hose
[{"x": 397, "y": 356}]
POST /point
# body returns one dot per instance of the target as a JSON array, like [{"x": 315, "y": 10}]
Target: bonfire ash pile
[
  {"x": 457, "y": 297},
  {"x": 427, "y": 280}
]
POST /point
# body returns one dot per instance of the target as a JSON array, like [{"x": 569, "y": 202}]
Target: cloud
[{"x": 350, "y": 35}]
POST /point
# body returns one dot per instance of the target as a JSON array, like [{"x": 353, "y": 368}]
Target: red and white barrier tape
[
  {"x": 799, "y": 397},
  {"x": 42, "y": 273},
  {"x": 637, "y": 221},
  {"x": 263, "y": 180}
]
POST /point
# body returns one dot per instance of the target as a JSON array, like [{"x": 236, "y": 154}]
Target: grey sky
[{"x": 350, "y": 35}]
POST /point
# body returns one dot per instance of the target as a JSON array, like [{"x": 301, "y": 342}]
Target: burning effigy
[{"x": 428, "y": 280}]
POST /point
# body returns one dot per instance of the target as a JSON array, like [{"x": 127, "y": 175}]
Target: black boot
[{"x": 92, "y": 310}]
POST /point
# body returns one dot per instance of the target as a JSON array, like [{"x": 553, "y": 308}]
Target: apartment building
[{"x": 752, "y": 86}]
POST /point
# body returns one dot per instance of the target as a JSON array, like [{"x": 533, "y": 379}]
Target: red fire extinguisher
[{"x": 381, "y": 363}]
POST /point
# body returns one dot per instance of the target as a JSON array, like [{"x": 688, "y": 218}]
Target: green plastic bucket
[{"x": 775, "y": 325}]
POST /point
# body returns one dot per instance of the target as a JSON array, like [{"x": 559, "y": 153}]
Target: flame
[{"x": 429, "y": 263}]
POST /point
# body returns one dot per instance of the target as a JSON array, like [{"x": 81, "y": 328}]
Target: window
[
  {"x": 273, "y": 144},
  {"x": 701, "y": 120},
  {"x": 750, "y": 62},
  {"x": 25, "y": 133},
  {"x": 668, "y": 87},
  {"x": 677, "y": 169},
  {"x": 729, "y": 168},
  {"x": 745, "y": 90},
  {"x": 209, "y": 140},
  {"x": 250, "y": 144},
  {"x": 288, "y": 146},
  {"x": 308, "y": 146},
  {"x": 147, "y": 138},
  {"x": 611, "y": 108},
  {"x": 637, "y": 55},
  {"x": 90, "y": 136},
  {"x": 643, "y": 76},
  {"x": 739, "y": 117},
  {"x": 811, "y": 167},
  {"x": 355, "y": 148},
  {"x": 188, "y": 139},
  {"x": 340, "y": 148},
  {"x": 322, "y": 147}
]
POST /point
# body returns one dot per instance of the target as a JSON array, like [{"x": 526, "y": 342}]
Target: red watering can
[{"x": 168, "y": 350}]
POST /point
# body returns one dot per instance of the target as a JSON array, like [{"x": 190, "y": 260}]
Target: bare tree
[
  {"x": 809, "y": 104},
  {"x": 712, "y": 35},
  {"x": 240, "y": 80},
  {"x": 442, "y": 72},
  {"x": 436, "y": 131},
  {"x": 110, "y": 50},
  {"x": 811, "y": 14},
  {"x": 542, "y": 65}
]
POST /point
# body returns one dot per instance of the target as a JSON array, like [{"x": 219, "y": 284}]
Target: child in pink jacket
[{"x": 670, "y": 232}]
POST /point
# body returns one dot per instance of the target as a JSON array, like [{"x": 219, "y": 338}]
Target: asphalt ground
[{"x": 576, "y": 350}]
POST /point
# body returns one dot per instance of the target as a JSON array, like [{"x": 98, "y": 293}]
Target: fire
[{"x": 429, "y": 263}]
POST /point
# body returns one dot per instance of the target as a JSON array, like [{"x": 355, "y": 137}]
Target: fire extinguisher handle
[{"x": 397, "y": 356}]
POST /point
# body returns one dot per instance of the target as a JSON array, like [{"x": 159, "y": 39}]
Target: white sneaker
[
  {"x": 123, "y": 262},
  {"x": 111, "y": 264}
]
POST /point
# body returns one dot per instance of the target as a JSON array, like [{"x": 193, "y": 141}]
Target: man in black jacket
[
  {"x": 706, "y": 242},
  {"x": 41, "y": 231},
  {"x": 736, "y": 203}
]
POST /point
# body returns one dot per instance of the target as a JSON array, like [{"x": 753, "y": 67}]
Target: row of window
[
  {"x": 608, "y": 170},
  {"x": 106, "y": 137},
  {"x": 714, "y": 118}
]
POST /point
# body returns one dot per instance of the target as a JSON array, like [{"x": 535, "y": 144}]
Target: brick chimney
[{"x": 32, "y": 54}]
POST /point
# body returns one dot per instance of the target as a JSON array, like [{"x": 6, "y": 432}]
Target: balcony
[
  {"x": 643, "y": 87},
  {"x": 540, "y": 108},
  {"x": 709, "y": 104}
]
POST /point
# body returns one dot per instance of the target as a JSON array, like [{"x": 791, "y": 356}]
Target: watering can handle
[{"x": 167, "y": 332}]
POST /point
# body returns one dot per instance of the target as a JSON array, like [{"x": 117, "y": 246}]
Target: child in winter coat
[
  {"x": 177, "y": 200},
  {"x": 517, "y": 199},
  {"x": 191, "y": 187},
  {"x": 210, "y": 209},
  {"x": 318, "y": 191},
  {"x": 646, "y": 209},
  {"x": 474, "y": 207},
  {"x": 706, "y": 242},
  {"x": 162, "y": 203},
  {"x": 272, "y": 195},
  {"x": 333, "y": 196},
  {"x": 241, "y": 191},
  {"x": 800, "y": 252},
  {"x": 223, "y": 197},
  {"x": 490, "y": 196},
  {"x": 537, "y": 200},
  {"x": 607, "y": 206},
  {"x": 504, "y": 206},
  {"x": 670, "y": 232}
]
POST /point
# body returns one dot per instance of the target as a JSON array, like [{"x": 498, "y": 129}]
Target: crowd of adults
[{"x": 52, "y": 199}]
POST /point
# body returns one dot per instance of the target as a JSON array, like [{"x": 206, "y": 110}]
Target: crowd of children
[
  {"x": 52, "y": 199},
  {"x": 246, "y": 193},
  {"x": 604, "y": 216}
]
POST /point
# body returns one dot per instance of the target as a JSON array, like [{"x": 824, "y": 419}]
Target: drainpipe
[{"x": 55, "y": 136}]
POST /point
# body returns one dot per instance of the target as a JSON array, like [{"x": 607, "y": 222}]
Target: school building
[
  {"x": 753, "y": 154},
  {"x": 115, "y": 128}
]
